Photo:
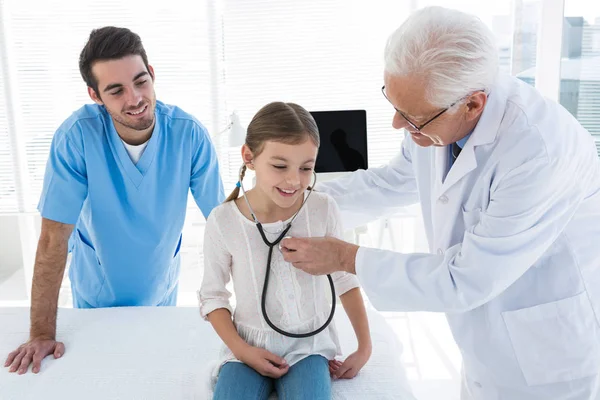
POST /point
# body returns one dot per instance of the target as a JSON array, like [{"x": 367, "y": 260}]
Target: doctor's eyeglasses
[{"x": 416, "y": 127}]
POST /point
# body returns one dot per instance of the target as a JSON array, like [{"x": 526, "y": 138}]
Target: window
[
  {"x": 515, "y": 26},
  {"x": 328, "y": 56},
  {"x": 524, "y": 44},
  {"x": 8, "y": 193},
  {"x": 580, "y": 64}
]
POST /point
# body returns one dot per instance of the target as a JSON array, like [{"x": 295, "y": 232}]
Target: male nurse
[{"x": 115, "y": 194}]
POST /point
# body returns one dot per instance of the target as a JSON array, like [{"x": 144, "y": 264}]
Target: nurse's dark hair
[
  {"x": 109, "y": 43},
  {"x": 281, "y": 122}
]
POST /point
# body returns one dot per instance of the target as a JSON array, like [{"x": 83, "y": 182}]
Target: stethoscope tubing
[{"x": 271, "y": 245}]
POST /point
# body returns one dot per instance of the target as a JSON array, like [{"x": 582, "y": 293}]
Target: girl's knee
[{"x": 239, "y": 381}]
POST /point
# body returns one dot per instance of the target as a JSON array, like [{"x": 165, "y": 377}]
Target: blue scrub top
[{"x": 128, "y": 218}]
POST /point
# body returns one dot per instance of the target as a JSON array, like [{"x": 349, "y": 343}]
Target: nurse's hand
[
  {"x": 264, "y": 362},
  {"x": 34, "y": 351},
  {"x": 320, "y": 256}
]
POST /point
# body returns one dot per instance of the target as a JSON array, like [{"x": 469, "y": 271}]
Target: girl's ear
[{"x": 247, "y": 156}]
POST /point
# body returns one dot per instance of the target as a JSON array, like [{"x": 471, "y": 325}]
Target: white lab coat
[{"x": 514, "y": 234}]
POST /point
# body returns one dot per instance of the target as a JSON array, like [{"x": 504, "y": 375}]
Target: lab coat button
[{"x": 443, "y": 199}]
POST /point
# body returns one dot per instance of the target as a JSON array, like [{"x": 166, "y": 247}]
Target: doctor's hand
[
  {"x": 264, "y": 362},
  {"x": 34, "y": 351},
  {"x": 320, "y": 256}
]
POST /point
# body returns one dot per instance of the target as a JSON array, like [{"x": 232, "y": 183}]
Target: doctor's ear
[{"x": 475, "y": 105}]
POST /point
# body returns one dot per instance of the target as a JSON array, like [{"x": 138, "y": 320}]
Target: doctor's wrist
[{"x": 349, "y": 257}]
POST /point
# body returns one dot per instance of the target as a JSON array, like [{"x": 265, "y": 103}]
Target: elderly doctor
[{"x": 509, "y": 185}]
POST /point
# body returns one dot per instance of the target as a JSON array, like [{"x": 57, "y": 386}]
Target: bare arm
[
  {"x": 221, "y": 321},
  {"x": 50, "y": 261},
  {"x": 357, "y": 314},
  {"x": 263, "y": 361}
]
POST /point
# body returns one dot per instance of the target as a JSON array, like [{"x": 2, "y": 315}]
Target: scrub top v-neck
[
  {"x": 135, "y": 172},
  {"x": 128, "y": 217},
  {"x": 135, "y": 151}
]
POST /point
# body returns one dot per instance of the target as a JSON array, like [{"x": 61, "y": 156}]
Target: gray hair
[{"x": 455, "y": 52}]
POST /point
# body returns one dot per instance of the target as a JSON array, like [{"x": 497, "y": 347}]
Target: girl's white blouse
[{"x": 296, "y": 301}]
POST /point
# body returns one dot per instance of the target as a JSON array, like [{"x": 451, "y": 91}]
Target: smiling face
[
  {"x": 408, "y": 96},
  {"x": 126, "y": 89},
  {"x": 283, "y": 172}
]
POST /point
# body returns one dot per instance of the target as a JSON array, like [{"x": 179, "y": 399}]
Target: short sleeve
[
  {"x": 205, "y": 182},
  {"x": 213, "y": 293},
  {"x": 342, "y": 281},
  {"x": 65, "y": 181}
]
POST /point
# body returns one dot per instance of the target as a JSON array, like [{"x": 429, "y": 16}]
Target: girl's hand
[
  {"x": 351, "y": 366},
  {"x": 264, "y": 362}
]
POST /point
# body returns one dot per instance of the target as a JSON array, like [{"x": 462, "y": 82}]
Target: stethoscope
[{"x": 271, "y": 245}]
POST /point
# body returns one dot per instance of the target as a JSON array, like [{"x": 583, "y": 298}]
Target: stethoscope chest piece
[{"x": 281, "y": 248}]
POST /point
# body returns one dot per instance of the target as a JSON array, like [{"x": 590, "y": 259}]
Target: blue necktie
[{"x": 455, "y": 151}]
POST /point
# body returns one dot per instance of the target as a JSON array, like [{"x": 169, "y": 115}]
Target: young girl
[{"x": 281, "y": 148}]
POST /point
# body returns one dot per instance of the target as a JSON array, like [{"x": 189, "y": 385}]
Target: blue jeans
[{"x": 306, "y": 380}]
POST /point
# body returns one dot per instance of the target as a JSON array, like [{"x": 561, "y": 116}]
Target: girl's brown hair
[{"x": 281, "y": 122}]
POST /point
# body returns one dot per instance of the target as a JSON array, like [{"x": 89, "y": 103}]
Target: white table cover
[{"x": 165, "y": 353}]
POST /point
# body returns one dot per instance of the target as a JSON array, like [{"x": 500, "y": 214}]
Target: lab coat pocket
[
  {"x": 471, "y": 218},
  {"x": 555, "y": 342}
]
